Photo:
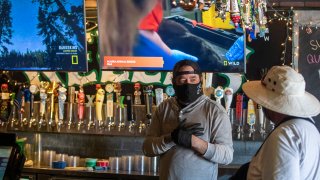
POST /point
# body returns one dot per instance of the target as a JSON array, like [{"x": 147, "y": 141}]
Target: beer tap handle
[
  {"x": 44, "y": 85},
  {"x": 120, "y": 109},
  {"x": 169, "y": 91},
  {"x": 239, "y": 114},
  {"x": 117, "y": 90},
  {"x": 262, "y": 121},
  {"x": 26, "y": 98},
  {"x": 23, "y": 103},
  {"x": 159, "y": 96},
  {"x": 148, "y": 101},
  {"x": 218, "y": 94},
  {"x": 71, "y": 92},
  {"x": 34, "y": 90},
  {"x": 137, "y": 93},
  {"x": 109, "y": 89},
  {"x": 99, "y": 102},
  {"x": 18, "y": 102},
  {"x": 251, "y": 117},
  {"x": 52, "y": 93},
  {"x": 14, "y": 111},
  {"x": 32, "y": 106},
  {"x": 228, "y": 96},
  {"x": 129, "y": 103},
  {"x": 43, "y": 99},
  {"x": 62, "y": 97},
  {"x": 81, "y": 103},
  {"x": 5, "y": 108},
  {"x": 130, "y": 114}
]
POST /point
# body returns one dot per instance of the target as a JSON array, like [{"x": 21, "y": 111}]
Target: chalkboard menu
[{"x": 309, "y": 60}]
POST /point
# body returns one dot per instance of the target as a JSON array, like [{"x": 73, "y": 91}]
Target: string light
[
  {"x": 301, "y": 25},
  {"x": 287, "y": 17}
]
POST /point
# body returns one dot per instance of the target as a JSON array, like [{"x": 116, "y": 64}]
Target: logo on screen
[{"x": 231, "y": 63}]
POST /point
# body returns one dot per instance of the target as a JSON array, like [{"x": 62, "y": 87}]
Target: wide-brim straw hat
[{"x": 283, "y": 90}]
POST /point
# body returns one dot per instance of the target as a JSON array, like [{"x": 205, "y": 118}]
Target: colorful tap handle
[
  {"x": 52, "y": 92},
  {"x": 33, "y": 90},
  {"x": 137, "y": 93},
  {"x": 81, "y": 103},
  {"x": 170, "y": 91},
  {"x": 244, "y": 109},
  {"x": 27, "y": 99},
  {"x": 235, "y": 13},
  {"x": 62, "y": 97},
  {"x": 27, "y": 93},
  {"x": 109, "y": 88},
  {"x": 218, "y": 94},
  {"x": 12, "y": 98},
  {"x": 228, "y": 96},
  {"x": 159, "y": 96},
  {"x": 43, "y": 99},
  {"x": 120, "y": 109},
  {"x": 14, "y": 109},
  {"x": 18, "y": 99},
  {"x": 239, "y": 109},
  {"x": 117, "y": 90},
  {"x": 5, "y": 107},
  {"x": 99, "y": 103},
  {"x": 251, "y": 113},
  {"x": 23, "y": 102},
  {"x": 44, "y": 85}
]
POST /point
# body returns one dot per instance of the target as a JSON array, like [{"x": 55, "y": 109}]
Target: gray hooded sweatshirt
[{"x": 177, "y": 162}]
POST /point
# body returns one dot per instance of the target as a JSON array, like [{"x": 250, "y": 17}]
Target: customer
[
  {"x": 292, "y": 150},
  {"x": 191, "y": 132}
]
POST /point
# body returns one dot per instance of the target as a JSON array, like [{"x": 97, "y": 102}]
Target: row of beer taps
[
  {"x": 18, "y": 107},
  {"x": 84, "y": 112},
  {"x": 247, "y": 117}
]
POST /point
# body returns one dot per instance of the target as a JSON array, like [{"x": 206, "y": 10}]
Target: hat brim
[{"x": 305, "y": 105}]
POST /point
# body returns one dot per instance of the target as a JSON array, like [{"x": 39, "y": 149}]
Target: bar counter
[
  {"x": 50, "y": 173},
  {"x": 60, "y": 174}
]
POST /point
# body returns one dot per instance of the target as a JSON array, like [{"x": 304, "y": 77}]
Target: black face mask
[{"x": 187, "y": 93}]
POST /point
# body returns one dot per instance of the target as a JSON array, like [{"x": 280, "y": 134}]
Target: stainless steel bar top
[
  {"x": 113, "y": 174},
  {"x": 109, "y": 174}
]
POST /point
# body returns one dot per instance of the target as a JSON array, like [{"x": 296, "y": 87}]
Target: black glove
[{"x": 182, "y": 134}]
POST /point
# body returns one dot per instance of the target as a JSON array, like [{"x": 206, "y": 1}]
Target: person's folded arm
[
  {"x": 156, "y": 144},
  {"x": 220, "y": 149}
]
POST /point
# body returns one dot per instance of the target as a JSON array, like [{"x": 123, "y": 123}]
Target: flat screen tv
[
  {"x": 217, "y": 50},
  {"x": 37, "y": 35}
]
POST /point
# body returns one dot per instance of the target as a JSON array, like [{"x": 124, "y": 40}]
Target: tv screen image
[
  {"x": 43, "y": 35},
  {"x": 215, "y": 49}
]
